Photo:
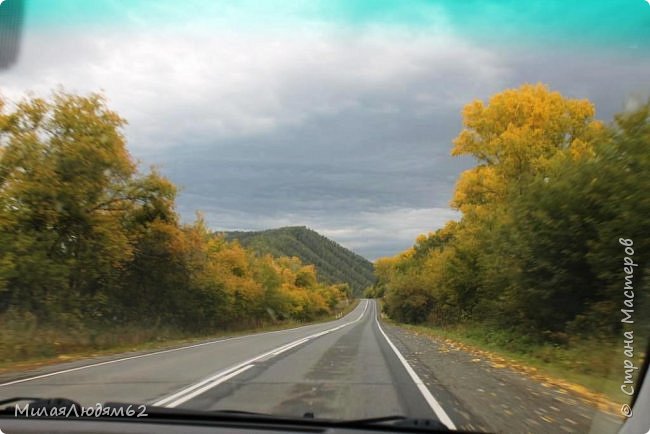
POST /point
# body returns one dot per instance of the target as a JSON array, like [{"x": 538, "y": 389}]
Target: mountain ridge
[{"x": 334, "y": 263}]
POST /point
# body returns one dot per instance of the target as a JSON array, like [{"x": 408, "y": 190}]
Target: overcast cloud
[{"x": 346, "y": 131}]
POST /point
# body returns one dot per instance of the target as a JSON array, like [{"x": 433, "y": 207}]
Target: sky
[{"x": 338, "y": 115}]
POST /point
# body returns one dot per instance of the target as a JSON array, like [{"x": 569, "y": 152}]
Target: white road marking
[
  {"x": 295, "y": 344},
  {"x": 177, "y": 397},
  {"x": 190, "y": 392},
  {"x": 209, "y": 386},
  {"x": 155, "y": 353},
  {"x": 426, "y": 393}
]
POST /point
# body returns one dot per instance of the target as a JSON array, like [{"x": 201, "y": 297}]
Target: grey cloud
[{"x": 349, "y": 135}]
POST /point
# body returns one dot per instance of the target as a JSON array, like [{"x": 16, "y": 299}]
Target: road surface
[{"x": 346, "y": 368}]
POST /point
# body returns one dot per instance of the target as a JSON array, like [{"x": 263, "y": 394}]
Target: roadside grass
[
  {"x": 24, "y": 348},
  {"x": 588, "y": 368}
]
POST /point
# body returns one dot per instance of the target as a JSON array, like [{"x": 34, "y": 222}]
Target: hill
[{"x": 334, "y": 262}]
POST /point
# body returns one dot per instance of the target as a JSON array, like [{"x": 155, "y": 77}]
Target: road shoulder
[{"x": 483, "y": 396}]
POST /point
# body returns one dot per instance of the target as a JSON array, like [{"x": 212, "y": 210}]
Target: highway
[{"x": 347, "y": 368}]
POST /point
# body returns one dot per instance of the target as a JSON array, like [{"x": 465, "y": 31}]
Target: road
[{"x": 347, "y": 368}]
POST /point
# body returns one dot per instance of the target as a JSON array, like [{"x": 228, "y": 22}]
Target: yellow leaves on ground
[{"x": 497, "y": 361}]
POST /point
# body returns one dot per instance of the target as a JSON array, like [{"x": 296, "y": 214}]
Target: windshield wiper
[
  {"x": 399, "y": 420},
  {"x": 18, "y": 399},
  {"x": 39, "y": 403},
  {"x": 382, "y": 419}
]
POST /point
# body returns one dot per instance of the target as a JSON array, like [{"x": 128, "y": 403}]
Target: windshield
[{"x": 339, "y": 209}]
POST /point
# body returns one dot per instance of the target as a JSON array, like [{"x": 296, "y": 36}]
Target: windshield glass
[{"x": 346, "y": 209}]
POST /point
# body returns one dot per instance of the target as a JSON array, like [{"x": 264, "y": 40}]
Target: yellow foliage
[
  {"x": 478, "y": 186},
  {"x": 515, "y": 136}
]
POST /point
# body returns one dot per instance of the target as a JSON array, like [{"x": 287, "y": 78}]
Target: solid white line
[
  {"x": 426, "y": 393},
  {"x": 187, "y": 393},
  {"x": 295, "y": 344},
  {"x": 190, "y": 389},
  {"x": 209, "y": 386},
  {"x": 155, "y": 353}
]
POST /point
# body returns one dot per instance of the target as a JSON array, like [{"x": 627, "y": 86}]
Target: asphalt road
[{"x": 346, "y": 368}]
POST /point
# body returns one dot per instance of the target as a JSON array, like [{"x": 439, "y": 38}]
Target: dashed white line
[{"x": 194, "y": 390}]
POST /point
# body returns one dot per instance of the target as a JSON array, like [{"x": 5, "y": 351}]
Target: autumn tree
[
  {"x": 88, "y": 241},
  {"x": 542, "y": 212},
  {"x": 513, "y": 138},
  {"x": 67, "y": 185},
  {"x": 569, "y": 224}
]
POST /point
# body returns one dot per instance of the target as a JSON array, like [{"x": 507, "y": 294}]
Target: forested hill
[{"x": 334, "y": 262}]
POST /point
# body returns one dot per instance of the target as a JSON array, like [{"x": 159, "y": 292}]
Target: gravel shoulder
[{"x": 482, "y": 395}]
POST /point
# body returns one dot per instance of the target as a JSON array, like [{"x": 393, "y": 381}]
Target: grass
[
  {"x": 23, "y": 348},
  {"x": 590, "y": 369}
]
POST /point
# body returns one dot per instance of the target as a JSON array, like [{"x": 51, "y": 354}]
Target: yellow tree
[
  {"x": 67, "y": 185},
  {"x": 514, "y": 136}
]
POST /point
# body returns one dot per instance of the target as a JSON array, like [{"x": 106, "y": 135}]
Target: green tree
[{"x": 65, "y": 191}]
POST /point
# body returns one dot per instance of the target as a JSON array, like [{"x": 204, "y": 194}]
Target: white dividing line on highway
[
  {"x": 155, "y": 353},
  {"x": 194, "y": 390},
  {"x": 208, "y": 386},
  {"x": 424, "y": 390},
  {"x": 188, "y": 393},
  {"x": 287, "y": 348}
]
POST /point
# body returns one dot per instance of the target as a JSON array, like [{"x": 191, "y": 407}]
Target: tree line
[
  {"x": 334, "y": 262},
  {"x": 86, "y": 238},
  {"x": 547, "y": 212}
]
